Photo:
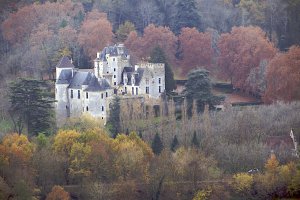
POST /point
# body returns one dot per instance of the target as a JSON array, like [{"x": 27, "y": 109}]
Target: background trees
[
  {"x": 283, "y": 77},
  {"x": 31, "y": 106},
  {"x": 95, "y": 33},
  {"x": 195, "y": 49},
  {"x": 241, "y": 51}
]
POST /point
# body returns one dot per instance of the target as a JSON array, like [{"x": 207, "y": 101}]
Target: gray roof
[
  {"x": 79, "y": 79},
  {"x": 95, "y": 85},
  {"x": 65, "y": 62},
  {"x": 112, "y": 51},
  {"x": 138, "y": 76},
  {"x": 64, "y": 77}
]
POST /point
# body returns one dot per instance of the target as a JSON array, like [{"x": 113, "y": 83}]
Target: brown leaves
[
  {"x": 196, "y": 49},
  {"x": 163, "y": 37},
  {"x": 242, "y": 50},
  {"x": 95, "y": 33},
  {"x": 58, "y": 193},
  {"x": 283, "y": 77}
]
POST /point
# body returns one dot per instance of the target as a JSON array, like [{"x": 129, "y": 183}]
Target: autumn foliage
[
  {"x": 283, "y": 77},
  {"x": 95, "y": 33},
  {"x": 196, "y": 49},
  {"x": 141, "y": 47},
  {"x": 15, "y": 147},
  {"x": 58, "y": 193},
  {"x": 242, "y": 50}
]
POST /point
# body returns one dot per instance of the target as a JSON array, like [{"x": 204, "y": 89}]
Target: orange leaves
[
  {"x": 163, "y": 37},
  {"x": 95, "y": 33},
  {"x": 242, "y": 50},
  {"x": 196, "y": 49},
  {"x": 58, "y": 193},
  {"x": 15, "y": 147},
  {"x": 283, "y": 77}
]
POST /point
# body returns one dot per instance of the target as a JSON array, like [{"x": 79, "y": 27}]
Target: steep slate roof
[
  {"x": 95, "y": 85},
  {"x": 138, "y": 77},
  {"x": 112, "y": 51},
  {"x": 65, "y": 63},
  {"x": 79, "y": 79},
  {"x": 64, "y": 77}
]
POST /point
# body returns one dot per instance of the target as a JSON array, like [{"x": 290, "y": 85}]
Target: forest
[{"x": 193, "y": 152}]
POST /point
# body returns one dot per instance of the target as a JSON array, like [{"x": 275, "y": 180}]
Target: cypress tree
[
  {"x": 158, "y": 56},
  {"x": 140, "y": 134},
  {"x": 174, "y": 144},
  {"x": 195, "y": 142},
  {"x": 114, "y": 117},
  {"x": 31, "y": 106},
  {"x": 157, "y": 145}
]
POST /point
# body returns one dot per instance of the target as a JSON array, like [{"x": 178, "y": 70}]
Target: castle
[{"x": 79, "y": 91}]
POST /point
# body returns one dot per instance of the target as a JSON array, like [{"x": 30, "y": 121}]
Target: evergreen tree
[
  {"x": 114, "y": 117},
  {"x": 195, "y": 142},
  {"x": 157, "y": 145},
  {"x": 31, "y": 106},
  {"x": 140, "y": 134},
  {"x": 158, "y": 56},
  {"x": 198, "y": 88},
  {"x": 186, "y": 16},
  {"x": 174, "y": 144}
]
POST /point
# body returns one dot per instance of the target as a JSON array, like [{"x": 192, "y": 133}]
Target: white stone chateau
[{"x": 79, "y": 91}]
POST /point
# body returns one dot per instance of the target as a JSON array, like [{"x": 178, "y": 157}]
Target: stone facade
[{"x": 79, "y": 91}]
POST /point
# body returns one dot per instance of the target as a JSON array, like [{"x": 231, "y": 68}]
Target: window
[
  {"x": 107, "y": 72},
  {"x": 106, "y": 94},
  {"x": 147, "y": 81},
  {"x": 78, "y": 94},
  {"x": 71, "y": 94},
  {"x": 159, "y": 89},
  {"x": 115, "y": 76},
  {"x": 125, "y": 90},
  {"x": 114, "y": 59},
  {"x": 87, "y": 95},
  {"x": 115, "y": 83},
  {"x": 114, "y": 69},
  {"x": 101, "y": 95},
  {"x": 87, "y": 108},
  {"x": 147, "y": 90},
  {"x": 132, "y": 90},
  {"x": 102, "y": 108},
  {"x": 136, "y": 91},
  {"x": 159, "y": 80}
]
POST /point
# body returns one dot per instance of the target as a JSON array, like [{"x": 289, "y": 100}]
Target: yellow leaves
[
  {"x": 203, "y": 194},
  {"x": 64, "y": 140},
  {"x": 15, "y": 146},
  {"x": 58, "y": 193},
  {"x": 272, "y": 164},
  {"x": 133, "y": 156},
  {"x": 79, "y": 155},
  {"x": 242, "y": 182}
]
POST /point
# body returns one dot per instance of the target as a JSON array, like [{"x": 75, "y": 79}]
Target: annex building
[{"x": 80, "y": 91}]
